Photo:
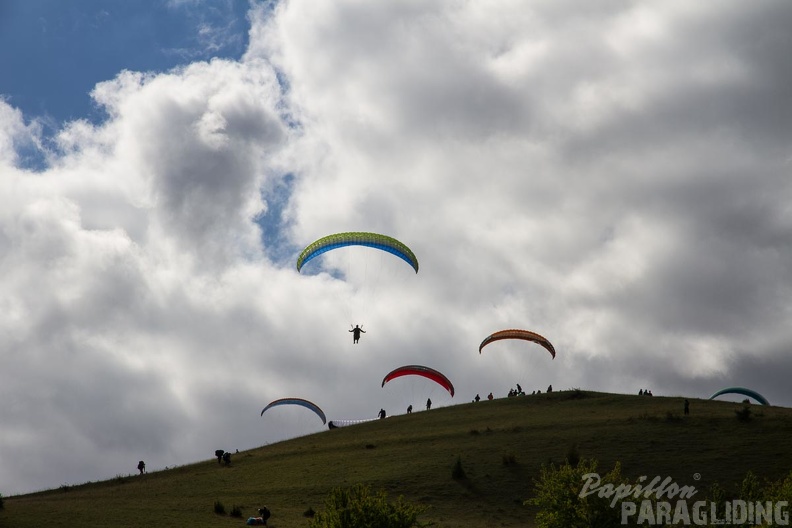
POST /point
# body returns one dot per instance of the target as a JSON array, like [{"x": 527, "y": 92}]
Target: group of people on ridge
[{"x": 382, "y": 414}]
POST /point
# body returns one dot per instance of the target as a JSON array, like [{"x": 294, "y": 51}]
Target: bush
[
  {"x": 219, "y": 509},
  {"x": 560, "y": 505},
  {"x": 558, "y": 497},
  {"x": 509, "y": 459},
  {"x": 780, "y": 490},
  {"x": 360, "y": 507},
  {"x": 672, "y": 418},
  {"x": 458, "y": 473},
  {"x": 750, "y": 488},
  {"x": 236, "y": 511},
  {"x": 573, "y": 456},
  {"x": 744, "y": 415}
]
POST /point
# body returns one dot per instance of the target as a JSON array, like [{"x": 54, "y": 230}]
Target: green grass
[{"x": 501, "y": 445}]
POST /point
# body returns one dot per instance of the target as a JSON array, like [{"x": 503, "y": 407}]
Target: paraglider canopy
[
  {"x": 743, "y": 391},
  {"x": 519, "y": 334},
  {"x": 297, "y": 401},
  {"x": 357, "y": 238},
  {"x": 420, "y": 370}
]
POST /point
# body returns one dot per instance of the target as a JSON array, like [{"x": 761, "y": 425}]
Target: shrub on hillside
[
  {"x": 744, "y": 415},
  {"x": 509, "y": 459},
  {"x": 573, "y": 455},
  {"x": 458, "y": 473},
  {"x": 360, "y": 507},
  {"x": 574, "y": 394},
  {"x": 672, "y": 418},
  {"x": 779, "y": 491},
  {"x": 560, "y": 504},
  {"x": 752, "y": 492},
  {"x": 751, "y": 488},
  {"x": 558, "y": 497}
]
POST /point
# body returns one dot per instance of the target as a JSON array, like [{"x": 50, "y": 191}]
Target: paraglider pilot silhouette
[{"x": 356, "y": 334}]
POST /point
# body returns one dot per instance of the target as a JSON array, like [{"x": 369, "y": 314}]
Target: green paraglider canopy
[
  {"x": 357, "y": 238},
  {"x": 742, "y": 390}
]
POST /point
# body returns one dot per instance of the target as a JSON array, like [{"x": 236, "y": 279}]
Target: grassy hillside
[{"x": 502, "y": 444}]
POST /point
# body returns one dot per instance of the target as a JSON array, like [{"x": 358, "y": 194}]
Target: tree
[{"x": 360, "y": 507}]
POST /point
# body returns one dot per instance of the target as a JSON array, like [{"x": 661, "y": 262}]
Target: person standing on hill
[
  {"x": 142, "y": 467},
  {"x": 687, "y": 407},
  {"x": 428, "y": 404}
]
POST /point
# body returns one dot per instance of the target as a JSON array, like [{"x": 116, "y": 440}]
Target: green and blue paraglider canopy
[
  {"x": 744, "y": 392},
  {"x": 357, "y": 238}
]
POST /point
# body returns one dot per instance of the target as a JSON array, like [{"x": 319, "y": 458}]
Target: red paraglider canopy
[{"x": 419, "y": 370}]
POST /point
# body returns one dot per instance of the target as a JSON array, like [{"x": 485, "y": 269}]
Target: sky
[{"x": 612, "y": 175}]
